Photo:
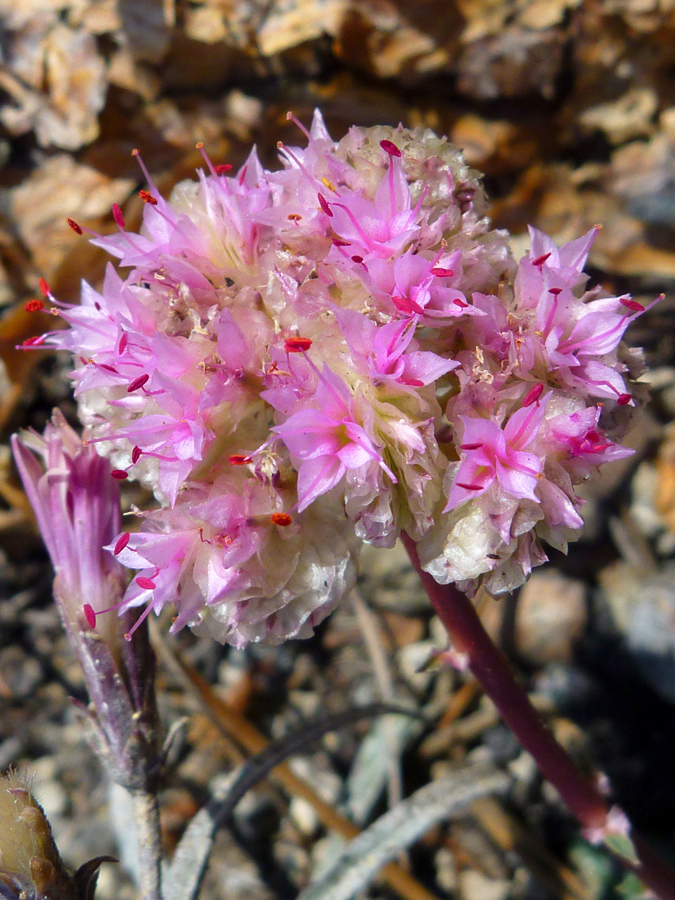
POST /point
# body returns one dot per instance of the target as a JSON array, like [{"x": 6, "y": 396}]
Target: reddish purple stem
[{"x": 492, "y": 670}]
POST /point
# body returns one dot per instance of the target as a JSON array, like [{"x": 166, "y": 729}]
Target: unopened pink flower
[{"x": 77, "y": 506}]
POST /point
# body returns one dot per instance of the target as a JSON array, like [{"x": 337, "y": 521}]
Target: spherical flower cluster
[{"x": 299, "y": 361}]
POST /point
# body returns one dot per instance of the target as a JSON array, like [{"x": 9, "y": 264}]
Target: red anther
[
  {"x": 44, "y": 287},
  {"x": 459, "y": 302},
  {"x": 119, "y": 474},
  {"x": 123, "y": 343},
  {"x": 118, "y": 215},
  {"x": 147, "y": 197},
  {"x": 323, "y": 203},
  {"x": 223, "y": 168},
  {"x": 122, "y": 541},
  {"x": 473, "y": 446},
  {"x": 631, "y": 304},
  {"x": 297, "y": 344},
  {"x": 34, "y": 341},
  {"x": 555, "y": 291},
  {"x": 89, "y": 615},
  {"x": 137, "y": 383},
  {"x": 135, "y": 455},
  {"x": 338, "y": 242},
  {"x": 34, "y": 305},
  {"x": 238, "y": 459},
  {"x": 390, "y": 148},
  {"x": 105, "y": 366},
  {"x": 470, "y": 487},
  {"x": 73, "y": 224},
  {"x": 440, "y": 272},
  {"x": 540, "y": 260},
  {"x": 146, "y": 583},
  {"x": 624, "y": 399},
  {"x": 357, "y": 259},
  {"x": 533, "y": 394},
  {"x": 294, "y": 217},
  {"x": 282, "y": 519}
]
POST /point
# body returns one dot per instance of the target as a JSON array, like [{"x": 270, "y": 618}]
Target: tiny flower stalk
[{"x": 77, "y": 506}]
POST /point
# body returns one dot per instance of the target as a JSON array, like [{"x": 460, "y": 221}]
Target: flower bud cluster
[{"x": 298, "y": 361}]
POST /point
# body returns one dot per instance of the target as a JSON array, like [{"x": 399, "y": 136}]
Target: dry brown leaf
[
  {"x": 60, "y": 188},
  {"x": 25, "y": 50},
  {"x": 514, "y": 62},
  {"x": 101, "y": 17},
  {"x": 76, "y": 87},
  {"x": 625, "y": 118},
  {"x": 17, "y": 15},
  {"x": 126, "y": 72},
  {"x": 541, "y": 14},
  {"x": 484, "y": 17},
  {"x": 292, "y": 22},
  {"x": 19, "y": 114},
  {"x": 206, "y": 24},
  {"x": 147, "y": 27}
]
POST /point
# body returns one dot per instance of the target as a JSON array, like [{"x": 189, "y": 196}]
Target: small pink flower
[
  {"x": 583, "y": 444},
  {"x": 385, "y": 350},
  {"x": 380, "y": 228},
  {"x": 417, "y": 288},
  {"x": 328, "y": 440},
  {"x": 491, "y": 453}
]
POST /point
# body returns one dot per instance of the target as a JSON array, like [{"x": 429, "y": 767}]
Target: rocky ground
[{"x": 569, "y": 109}]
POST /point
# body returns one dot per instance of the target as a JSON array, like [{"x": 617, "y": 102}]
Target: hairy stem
[
  {"x": 490, "y": 667},
  {"x": 146, "y": 814}
]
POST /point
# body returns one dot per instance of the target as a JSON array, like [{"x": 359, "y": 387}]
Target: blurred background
[{"x": 568, "y": 107}]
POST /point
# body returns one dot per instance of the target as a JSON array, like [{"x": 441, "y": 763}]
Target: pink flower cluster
[{"x": 302, "y": 360}]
